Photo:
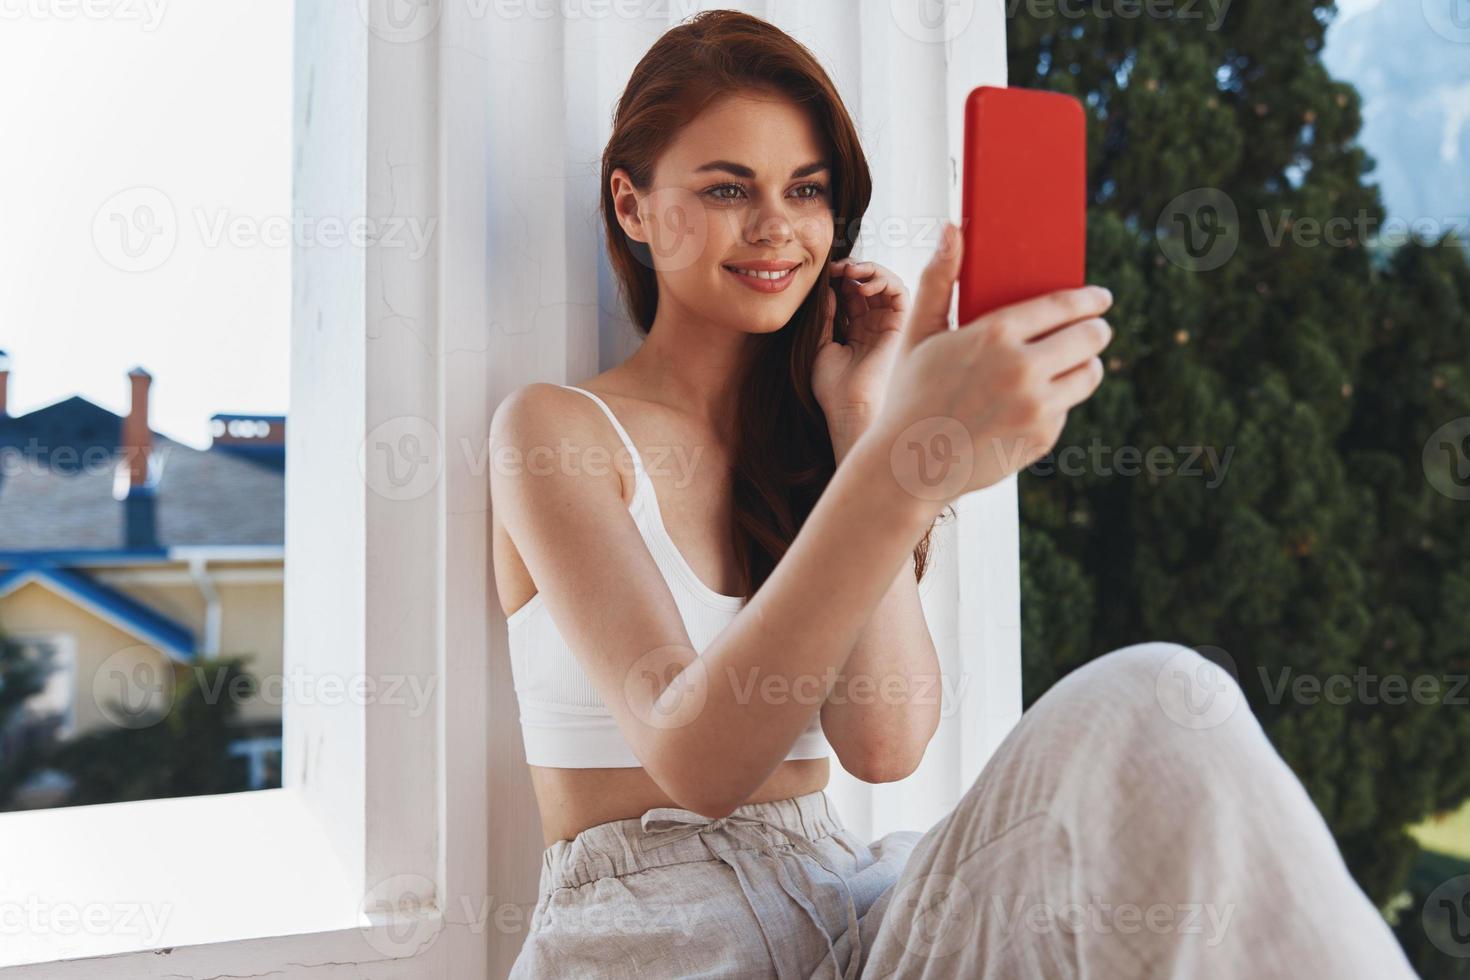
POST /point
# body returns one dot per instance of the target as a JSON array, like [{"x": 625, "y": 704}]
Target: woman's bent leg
[{"x": 1135, "y": 824}]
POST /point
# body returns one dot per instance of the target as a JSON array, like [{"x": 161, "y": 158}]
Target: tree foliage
[{"x": 1331, "y": 543}]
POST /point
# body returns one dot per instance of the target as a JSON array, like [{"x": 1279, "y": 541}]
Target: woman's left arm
[{"x": 885, "y": 704}]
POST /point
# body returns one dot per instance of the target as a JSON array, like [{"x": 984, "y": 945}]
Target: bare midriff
[{"x": 571, "y": 800}]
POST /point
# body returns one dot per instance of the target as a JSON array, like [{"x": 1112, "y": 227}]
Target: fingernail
[{"x": 1105, "y": 291}]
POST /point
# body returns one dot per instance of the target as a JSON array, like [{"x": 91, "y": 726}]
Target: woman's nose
[{"x": 769, "y": 225}]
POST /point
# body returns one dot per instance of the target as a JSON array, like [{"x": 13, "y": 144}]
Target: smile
[{"x": 763, "y": 281}]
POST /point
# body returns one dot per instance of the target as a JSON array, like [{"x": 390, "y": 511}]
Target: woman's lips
[{"x": 761, "y": 285}]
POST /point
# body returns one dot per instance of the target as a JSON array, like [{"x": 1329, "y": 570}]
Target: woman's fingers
[
  {"x": 1065, "y": 348},
  {"x": 863, "y": 282},
  {"x": 1037, "y": 317},
  {"x": 929, "y": 313},
  {"x": 1078, "y": 384}
]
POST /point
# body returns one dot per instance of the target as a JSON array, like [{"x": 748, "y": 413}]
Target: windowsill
[{"x": 123, "y": 877}]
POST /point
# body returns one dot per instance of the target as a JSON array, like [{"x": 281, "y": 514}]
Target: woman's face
[{"x": 746, "y": 185}]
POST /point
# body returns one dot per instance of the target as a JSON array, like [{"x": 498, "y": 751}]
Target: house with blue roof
[{"x": 123, "y": 552}]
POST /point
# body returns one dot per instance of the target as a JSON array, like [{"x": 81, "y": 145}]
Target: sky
[{"x": 135, "y": 116}]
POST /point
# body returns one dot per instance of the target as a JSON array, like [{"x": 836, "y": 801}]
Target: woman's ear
[{"x": 626, "y": 202}]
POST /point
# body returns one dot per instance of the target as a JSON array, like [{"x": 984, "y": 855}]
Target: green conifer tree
[{"x": 1327, "y": 541}]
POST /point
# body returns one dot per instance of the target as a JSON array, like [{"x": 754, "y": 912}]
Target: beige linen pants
[{"x": 1135, "y": 824}]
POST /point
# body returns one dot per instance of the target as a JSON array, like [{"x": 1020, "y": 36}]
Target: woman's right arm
[{"x": 964, "y": 409}]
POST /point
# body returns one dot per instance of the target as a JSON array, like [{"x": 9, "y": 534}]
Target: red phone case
[{"x": 1024, "y": 201}]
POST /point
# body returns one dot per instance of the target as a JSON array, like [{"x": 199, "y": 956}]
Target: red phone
[{"x": 1023, "y": 207}]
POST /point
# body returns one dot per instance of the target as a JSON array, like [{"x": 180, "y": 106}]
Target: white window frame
[{"x": 383, "y": 847}]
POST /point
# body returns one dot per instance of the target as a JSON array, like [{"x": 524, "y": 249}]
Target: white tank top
[{"x": 564, "y": 723}]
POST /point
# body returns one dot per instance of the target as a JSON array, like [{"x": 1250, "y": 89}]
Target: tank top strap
[{"x": 638, "y": 472}]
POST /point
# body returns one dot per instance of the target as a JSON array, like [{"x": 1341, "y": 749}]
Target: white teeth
[{"x": 762, "y": 275}]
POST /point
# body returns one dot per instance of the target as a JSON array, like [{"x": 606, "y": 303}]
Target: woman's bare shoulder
[{"x": 538, "y": 421}]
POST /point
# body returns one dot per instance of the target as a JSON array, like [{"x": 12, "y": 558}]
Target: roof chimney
[
  {"x": 4, "y": 383},
  {"x": 137, "y": 444},
  {"x": 137, "y": 438}
]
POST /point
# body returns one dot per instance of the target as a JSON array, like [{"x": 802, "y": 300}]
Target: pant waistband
[{"x": 673, "y": 835}]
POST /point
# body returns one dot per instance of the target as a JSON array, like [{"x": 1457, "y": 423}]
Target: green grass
[{"x": 1448, "y": 835}]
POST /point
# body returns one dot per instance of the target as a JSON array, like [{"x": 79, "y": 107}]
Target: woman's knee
[{"x": 1157, "y": 691}]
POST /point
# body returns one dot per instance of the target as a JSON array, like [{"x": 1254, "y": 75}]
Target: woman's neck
[{"x": 697, "y": 371}]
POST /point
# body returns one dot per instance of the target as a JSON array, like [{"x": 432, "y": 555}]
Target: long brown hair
[{"x": 783, "y": 451}]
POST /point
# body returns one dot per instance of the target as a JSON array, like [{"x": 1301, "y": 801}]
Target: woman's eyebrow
[{"x": 740, "y": 170}]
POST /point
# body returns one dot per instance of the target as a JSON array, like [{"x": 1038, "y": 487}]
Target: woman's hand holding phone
[{"x": 967, "y": 407}]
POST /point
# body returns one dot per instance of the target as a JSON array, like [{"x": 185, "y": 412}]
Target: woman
[{"x": 712, "y": 551}]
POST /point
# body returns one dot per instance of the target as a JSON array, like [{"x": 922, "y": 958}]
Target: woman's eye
[
  {"x": 733, "y": 192},
  {"x": 715, "y": 192}
]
